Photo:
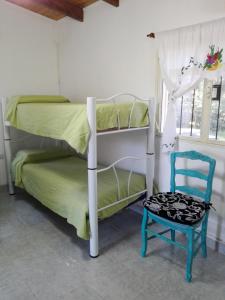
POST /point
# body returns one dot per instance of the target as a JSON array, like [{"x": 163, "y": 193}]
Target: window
[
  {"x": 189, "y": 112},
  {"x": 200, "y": 112},
  {"x": 217, "y": 117}
]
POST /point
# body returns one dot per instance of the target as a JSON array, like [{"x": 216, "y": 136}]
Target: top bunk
[{"x": 56, "y": 117}]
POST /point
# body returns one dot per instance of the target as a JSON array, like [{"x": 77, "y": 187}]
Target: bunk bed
[{"x": 107, "y": 189}]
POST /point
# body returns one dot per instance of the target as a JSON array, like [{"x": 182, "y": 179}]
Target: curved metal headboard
[{"x": 113, "y": 98}]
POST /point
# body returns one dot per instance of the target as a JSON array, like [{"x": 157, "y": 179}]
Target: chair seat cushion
[{"x": 176, "y": 207}]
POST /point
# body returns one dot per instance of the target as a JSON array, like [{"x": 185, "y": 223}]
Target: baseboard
[
  {"x": 3, "y": 188},
  {"x": 218, "y": 246}
]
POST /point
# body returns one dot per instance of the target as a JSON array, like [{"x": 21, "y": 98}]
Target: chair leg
[
  {"x": 173, "y": 235},
  {"x": 144, "y": 235},
  {"x": 190, "y": 247},
  {"x": 204, "y": 235}
]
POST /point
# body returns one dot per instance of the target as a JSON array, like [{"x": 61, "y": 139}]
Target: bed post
[
  {"x": 7, "y": 146},
  {"x": 92, "y": 177},
  {"x": 151, "y": 147}
]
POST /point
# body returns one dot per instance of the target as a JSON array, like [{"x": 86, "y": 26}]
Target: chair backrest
[{"x": 193, "y": 155}]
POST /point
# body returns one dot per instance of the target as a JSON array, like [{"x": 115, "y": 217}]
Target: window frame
[{"x": 206, "y": 110}]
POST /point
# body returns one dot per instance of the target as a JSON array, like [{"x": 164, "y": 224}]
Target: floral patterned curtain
[{"x": 187, "y": 56}]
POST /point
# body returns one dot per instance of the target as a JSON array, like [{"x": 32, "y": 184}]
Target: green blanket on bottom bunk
[
  {"x": 59, "y": 181},
  {"x": 54, "y": 117}
]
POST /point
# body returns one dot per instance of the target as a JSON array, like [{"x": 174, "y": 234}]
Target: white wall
[
  {"x": 109, "y": 53},
  {"x": 106, "y": 54},
  {"x": 28, "y": 56}
]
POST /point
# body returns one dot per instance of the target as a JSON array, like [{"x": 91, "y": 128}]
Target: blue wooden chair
[{"x": 180, "y": 211}]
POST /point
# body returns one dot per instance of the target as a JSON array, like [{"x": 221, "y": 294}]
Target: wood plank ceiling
[{"x": 58, "y": 9}]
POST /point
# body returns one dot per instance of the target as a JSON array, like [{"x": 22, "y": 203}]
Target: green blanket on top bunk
[
  {"x": 59, "y": 181},
  {"x": 68, "y": 121},
  {"x": 11, "y": 108}
]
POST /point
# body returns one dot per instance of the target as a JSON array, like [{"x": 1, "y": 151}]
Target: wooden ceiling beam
[
  {"x": 59, "y": 8},
  {"x": 113, "y": 2},
  {"x": 67, "y": 7},
  {"x": 38, "y": 8}
]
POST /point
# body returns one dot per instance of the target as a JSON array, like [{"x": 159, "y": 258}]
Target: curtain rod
[{"x": 152, "y": 35}]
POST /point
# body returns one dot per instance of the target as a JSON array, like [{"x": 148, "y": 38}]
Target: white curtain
[{"x": 182, "y": 57}]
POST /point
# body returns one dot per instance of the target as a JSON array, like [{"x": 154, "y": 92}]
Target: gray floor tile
[{"x": 42, "y": 258}]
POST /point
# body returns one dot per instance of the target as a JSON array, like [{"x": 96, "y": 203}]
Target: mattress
[
  {"x": 68, "y": 121},
  {"x": 61, "y": 185}
]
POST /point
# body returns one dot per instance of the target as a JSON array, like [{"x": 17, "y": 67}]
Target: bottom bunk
[{"x": 59, "y": 181}]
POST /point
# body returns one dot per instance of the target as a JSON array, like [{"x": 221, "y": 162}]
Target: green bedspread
[
  {"x": 11, "y": 109},
  {"x": 61, "y": 185},
  {"x": 68, "y": 121}
]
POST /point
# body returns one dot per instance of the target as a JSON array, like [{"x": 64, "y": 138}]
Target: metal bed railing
[
  {"x": 114, "y": 100},
  {"x": 92, "y": 159},
  {"x": 113, "y": 167}
]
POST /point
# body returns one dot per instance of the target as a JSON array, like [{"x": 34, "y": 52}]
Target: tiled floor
[{"x": 41, "y": 258}]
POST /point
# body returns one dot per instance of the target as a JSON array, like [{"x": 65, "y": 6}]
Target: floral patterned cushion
[{"x": 176, "y": 207}]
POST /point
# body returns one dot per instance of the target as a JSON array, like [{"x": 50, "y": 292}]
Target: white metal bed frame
[{"x": 92, "y": 159}]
